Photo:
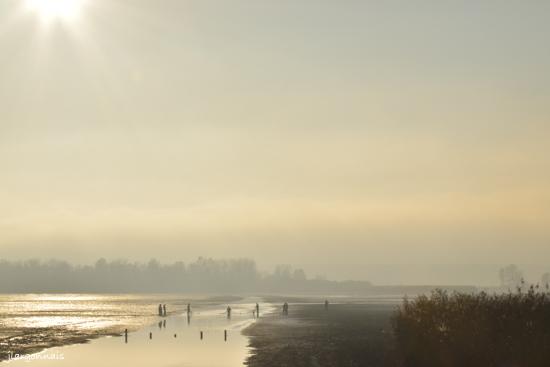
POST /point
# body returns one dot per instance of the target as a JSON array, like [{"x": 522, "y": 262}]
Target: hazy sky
[{"x": 337, "y": 136}]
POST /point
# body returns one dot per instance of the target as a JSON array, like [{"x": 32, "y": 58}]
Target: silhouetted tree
[
  {"x": 510, "y": 277},
  {"x": 121, "y": 276}
]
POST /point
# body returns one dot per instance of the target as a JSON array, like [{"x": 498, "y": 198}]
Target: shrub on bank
[{"x": 448, "y": 330}]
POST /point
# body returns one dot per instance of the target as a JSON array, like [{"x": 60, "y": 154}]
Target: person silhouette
[
  {"x": 326, "y": 304},
  {"x": 257, "y": 310},
  {"x": 160, "y": 309},
  {"x": 228, "y": 312},
  {"x": 164, "y": 310}
]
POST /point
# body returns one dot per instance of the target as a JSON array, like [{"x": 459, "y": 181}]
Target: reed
[{"x": 477, "y": 329}]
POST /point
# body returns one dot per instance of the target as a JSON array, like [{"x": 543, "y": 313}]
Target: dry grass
[{"x": 457, "y": 329}]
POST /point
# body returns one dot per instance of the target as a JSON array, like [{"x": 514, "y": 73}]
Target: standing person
[
  {"x": 164, "y": 309},
  {"x": 160, "y": 309},
  {"x": 326, "y": 304},
  {"x": 228, "y": 312},
  {"x": 257, "y": 310},
  {"x": 188, "y": 308}
]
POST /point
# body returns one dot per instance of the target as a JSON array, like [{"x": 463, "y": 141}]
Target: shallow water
[
  {"x": 174, "y": 343},
  {"x": 75, "y": 312}
]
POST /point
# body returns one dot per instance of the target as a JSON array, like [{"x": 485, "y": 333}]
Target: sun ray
[{"x": 49, "y": 10}]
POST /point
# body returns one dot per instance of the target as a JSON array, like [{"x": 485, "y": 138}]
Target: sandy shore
[{"x": 345, "y": 335}]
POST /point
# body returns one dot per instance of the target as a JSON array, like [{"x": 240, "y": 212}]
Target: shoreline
[
  {"x": 30, "y": 337},
  {"x": 37, "y": 340},
  {"x": 107, "y": 346}
]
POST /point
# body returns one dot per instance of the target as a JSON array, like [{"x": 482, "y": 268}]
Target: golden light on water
[{"x": 62, "y": 10}]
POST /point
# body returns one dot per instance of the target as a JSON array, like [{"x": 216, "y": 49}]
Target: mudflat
[{"x": 344, "y": 335}]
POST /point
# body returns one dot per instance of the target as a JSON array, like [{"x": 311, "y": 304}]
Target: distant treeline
[
  {"x": 202, "y": 275},
  {"x": 477, "y": 329}
]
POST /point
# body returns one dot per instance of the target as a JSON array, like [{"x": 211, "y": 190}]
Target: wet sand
[
  {"x": 345, "y": 335},
  {"x": 34, "y": 340}
]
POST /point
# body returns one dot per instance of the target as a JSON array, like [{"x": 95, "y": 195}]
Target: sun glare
[{"x": 50, "y": 10}]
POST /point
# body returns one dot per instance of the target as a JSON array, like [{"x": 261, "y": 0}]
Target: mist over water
[{"x": 287, "y": 132}]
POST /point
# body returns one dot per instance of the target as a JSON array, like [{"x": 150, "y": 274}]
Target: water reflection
[{"x": 211, "y": 340}]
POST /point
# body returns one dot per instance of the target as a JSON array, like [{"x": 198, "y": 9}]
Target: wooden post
[
  {"x": 201, "y": 334},
  {"x": 126, "y": 335},
  {"x": 150, "y": 335},
  {"x": 225, "y": 335}
]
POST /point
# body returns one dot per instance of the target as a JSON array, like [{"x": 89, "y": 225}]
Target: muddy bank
[
  {"x": 33, "y": 340},
  {"x": 345, "y": 335}
]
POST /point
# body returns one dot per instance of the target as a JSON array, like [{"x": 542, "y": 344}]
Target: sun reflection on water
[{"x": 73, "y": 311}]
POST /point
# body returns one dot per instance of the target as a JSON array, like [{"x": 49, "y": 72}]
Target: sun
[{"x": 49, "y": 10}]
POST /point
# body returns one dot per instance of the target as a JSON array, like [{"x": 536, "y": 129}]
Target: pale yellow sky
[{"x": 333, "y": 136}]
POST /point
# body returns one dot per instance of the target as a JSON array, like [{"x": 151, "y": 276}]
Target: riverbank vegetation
[{"x": 477, "y": 329}]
